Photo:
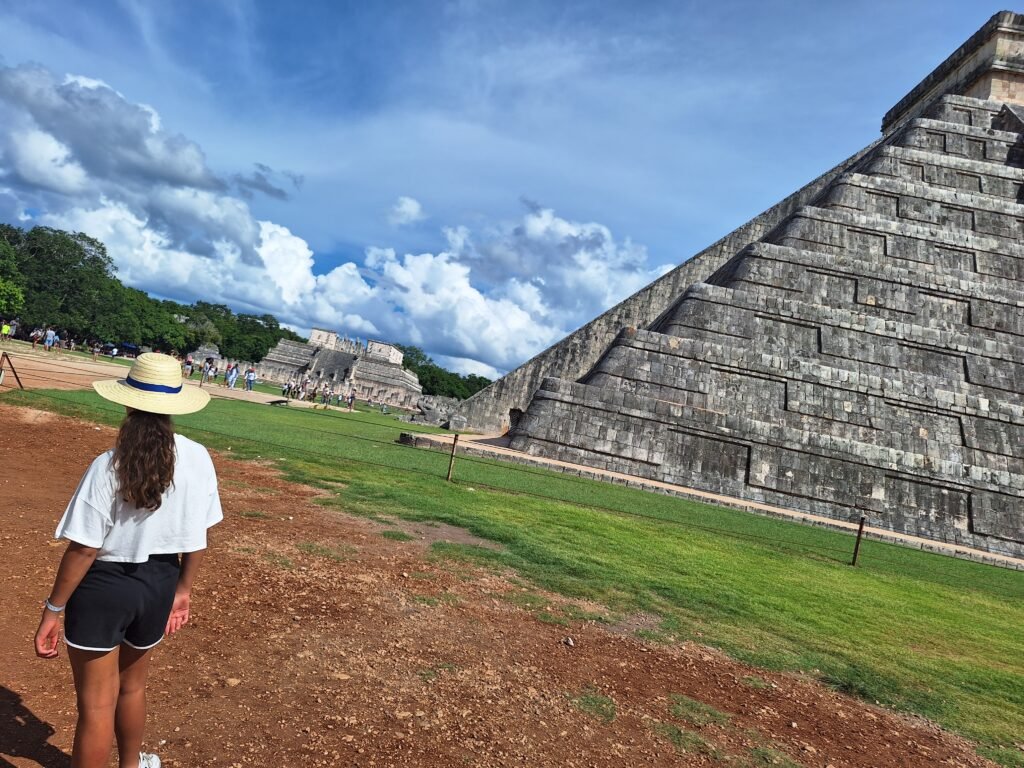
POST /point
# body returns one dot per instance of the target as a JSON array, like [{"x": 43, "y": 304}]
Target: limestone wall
[
  {"x": 383, "y": 351},
  {"x": 375, "y": 376},
  {"x": 284, "y": 360},
  {"x": 384, "y": 382},
  {"x": 771, "y": 462}
]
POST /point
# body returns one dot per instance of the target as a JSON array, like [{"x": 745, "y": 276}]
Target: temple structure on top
[
  {"x": 858, "y": 349},
  {"x": 371, "y": 369}
]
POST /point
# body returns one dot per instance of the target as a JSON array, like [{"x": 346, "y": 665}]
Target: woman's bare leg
[
  {"x": 130, "y": 719},
  {"x": 97, "y": 681}
]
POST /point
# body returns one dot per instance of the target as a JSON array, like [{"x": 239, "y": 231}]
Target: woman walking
[{"x": 136, "y": 530}]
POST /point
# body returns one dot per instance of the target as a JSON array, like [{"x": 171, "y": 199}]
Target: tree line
[
  {"x": 435, "y": 380},
  {"x": 66, "y": 280}
]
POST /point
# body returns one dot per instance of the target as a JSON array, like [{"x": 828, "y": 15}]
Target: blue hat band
[{"x": 152, "y": 387}]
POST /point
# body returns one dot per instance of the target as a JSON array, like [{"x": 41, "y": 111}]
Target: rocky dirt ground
[{"x": 316, "y": 641}]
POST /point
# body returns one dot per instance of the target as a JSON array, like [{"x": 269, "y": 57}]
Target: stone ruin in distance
[{"x": 858, "y": 349}]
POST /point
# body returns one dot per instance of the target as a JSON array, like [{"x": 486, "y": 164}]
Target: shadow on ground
[{"x": 23, "y": 735}]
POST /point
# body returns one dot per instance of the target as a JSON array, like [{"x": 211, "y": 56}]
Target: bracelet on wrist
[{"x": 54, "y": 608}]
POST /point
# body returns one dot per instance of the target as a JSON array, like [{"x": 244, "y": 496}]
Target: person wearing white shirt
[{"x": 136, "y": 530}]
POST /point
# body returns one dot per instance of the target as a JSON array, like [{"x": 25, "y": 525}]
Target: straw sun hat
[{"x": 154, "y": 384}]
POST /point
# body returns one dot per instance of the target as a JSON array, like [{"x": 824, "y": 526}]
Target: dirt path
[
  {"x": 316, "y": 641},
  {"x": 50, "y": 370}
]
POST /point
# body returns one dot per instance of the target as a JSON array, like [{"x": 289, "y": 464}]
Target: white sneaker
[{"x": 148, "y": 760}]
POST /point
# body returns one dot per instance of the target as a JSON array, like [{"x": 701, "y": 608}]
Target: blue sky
[{"x": 477, "y": 178}]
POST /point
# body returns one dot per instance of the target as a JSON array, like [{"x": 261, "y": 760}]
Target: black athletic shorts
[{"x": 122, "y": 603}]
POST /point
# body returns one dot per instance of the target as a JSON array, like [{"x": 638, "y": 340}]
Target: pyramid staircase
[{"x": 865, "y": 357}]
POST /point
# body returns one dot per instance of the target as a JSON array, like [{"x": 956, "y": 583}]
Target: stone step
[
  {"x": 671, "y": 368},
  {"x": 981, "y": 144},
  {"x": 912, "y": 245},
  {"x": 723, "y": 377},
  {"x": 947, "y": 171},
  {"x": 795, "y": 433},
  {"x": 769, "y": 462},
  {"x": 946, "y": 301},
  {"x": 904, "y": 276},
  {"x": 812, "y": 364},
  {"x": 926, "y": 204},
  {"x": 289, "y": 352},
  {"x": 782, "y": 320},
  {"x": 963, "y": 110}
]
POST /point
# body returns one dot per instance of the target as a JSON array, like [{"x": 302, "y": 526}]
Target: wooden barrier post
[
  {"x": 5, "y": 358},
  {"x": 860, "y": 535},
  {"x": 451, "y": 461}
]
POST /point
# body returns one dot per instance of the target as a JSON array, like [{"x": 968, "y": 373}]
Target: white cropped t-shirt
[{"x": 98, "y": 517}]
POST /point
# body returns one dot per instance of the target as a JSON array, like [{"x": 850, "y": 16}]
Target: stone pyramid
[{"x": 856, "y": 350}]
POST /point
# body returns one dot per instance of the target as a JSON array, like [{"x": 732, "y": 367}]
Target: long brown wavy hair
[{"x": 144, "y": 458}]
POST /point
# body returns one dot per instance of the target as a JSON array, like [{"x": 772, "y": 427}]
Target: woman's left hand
[
  {"x": 179, "y": 613},
  {"x": 48, "y": 635}
]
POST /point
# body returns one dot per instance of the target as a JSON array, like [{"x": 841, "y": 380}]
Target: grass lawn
[{"x": 940, "y": 637}]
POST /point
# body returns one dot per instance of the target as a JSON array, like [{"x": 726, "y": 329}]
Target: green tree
[
  {"x": 200, "y": 330},
  {"x": 69, "y": 279},
  {"x": 12, "y": 293},
  {"x": 435, "y": 380},
  {"x": 66, "y": 280}
]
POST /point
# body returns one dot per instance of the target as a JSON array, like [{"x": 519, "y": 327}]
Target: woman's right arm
[
  {"x": 73, "y": 566},
  {"x": 190, "y": 562}
]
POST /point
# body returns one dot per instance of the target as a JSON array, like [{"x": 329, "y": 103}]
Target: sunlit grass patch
[
  {"x": 595, "y": 704},
  {"x": 397, "y": 535},
  {"x": 686, "y": 741},
  {"x": 756, "y": 682},
  {"x": 278, "y": 560},
  {"x": 696, "y": 712}
]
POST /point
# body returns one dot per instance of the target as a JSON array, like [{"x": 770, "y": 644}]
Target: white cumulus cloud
[
  {"x": 406, "y": 210},
  {"x": 288, "y": 261},
  {"x": 40, "y": 159}
]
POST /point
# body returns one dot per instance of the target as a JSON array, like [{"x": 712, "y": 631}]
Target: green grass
[
  {"x": 575, "y": 613},
  {"x": 595, "y": 704},
  {"x": 914, "y": 631},
  {"x": 1011, "y": 757},
  {"x": 434, "y": 600},
  {"x": 685, "y": 741},
  {"x": 758, "y": 683},
  {"x": 397, "y": 535},
  {"x": 696, "y": 712},
  {"x": 278, "y": 560}
]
